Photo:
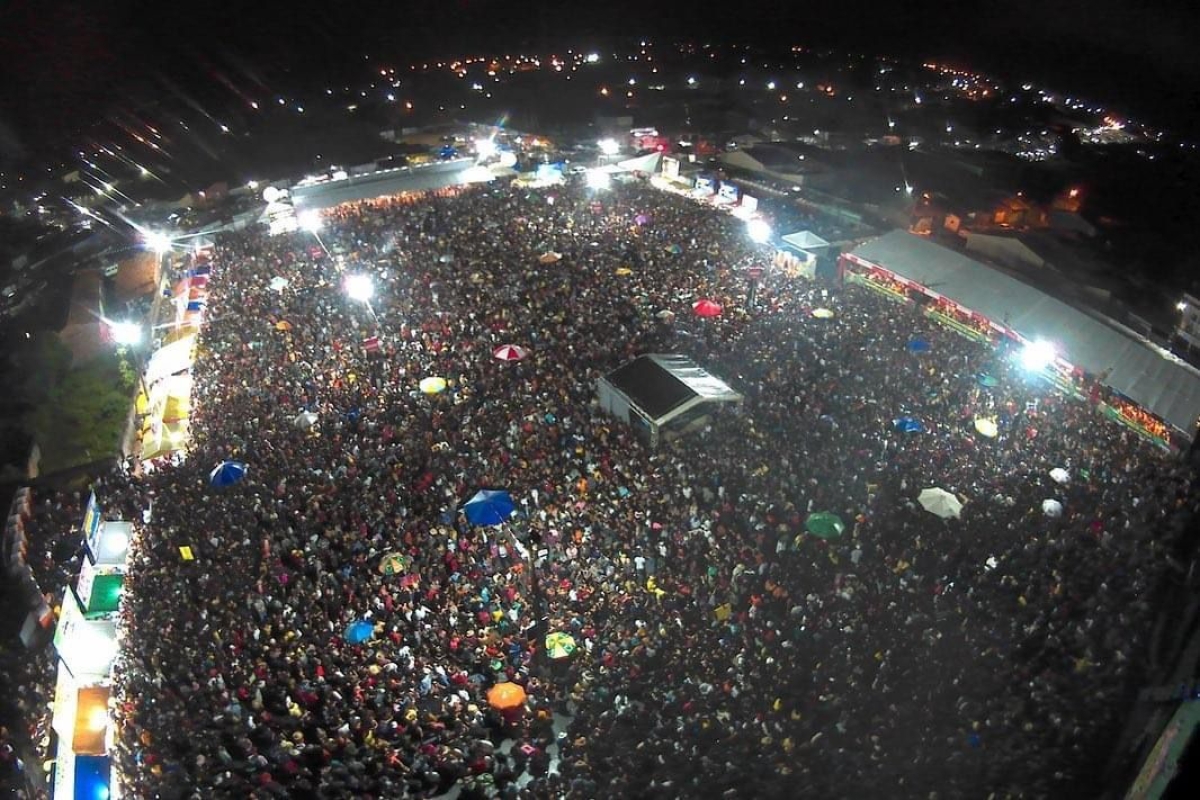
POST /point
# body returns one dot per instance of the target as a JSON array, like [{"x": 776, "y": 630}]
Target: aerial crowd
[{"x": 722, "y": 650}]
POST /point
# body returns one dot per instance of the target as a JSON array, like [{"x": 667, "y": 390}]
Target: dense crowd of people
[{"x": 723, "y": 651}]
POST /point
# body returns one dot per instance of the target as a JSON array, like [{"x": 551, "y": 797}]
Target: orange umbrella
[
  {"x": 506, "y": 696},
  {"x": 283, "y": 325}
]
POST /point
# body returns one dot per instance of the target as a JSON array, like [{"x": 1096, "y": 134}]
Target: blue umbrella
[
  {"x": 918, "y": 346},
  {"x": 908, "y": 425},
  {"x": 489, "y": 507},
  {"x": 359, "y": 631},
  {"x": 986, "y": 380},
  {"x": 227, "y": 473}
]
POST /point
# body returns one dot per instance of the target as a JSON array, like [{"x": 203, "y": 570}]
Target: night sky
[{"x": 65, "y": 62}]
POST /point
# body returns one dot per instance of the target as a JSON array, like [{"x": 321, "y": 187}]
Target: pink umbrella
[
  {"x": 707, "y": 308},
  {"x": 509, "y": 352}
]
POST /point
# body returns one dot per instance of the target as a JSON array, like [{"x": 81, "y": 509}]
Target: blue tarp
[{"x": 489, "y": 507}]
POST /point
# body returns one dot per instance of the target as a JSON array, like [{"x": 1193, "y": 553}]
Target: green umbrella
[
  {"x": 559, "y": 645},
  {"x": 825, "y": 525},
  {"x": 393, "y": 563}
]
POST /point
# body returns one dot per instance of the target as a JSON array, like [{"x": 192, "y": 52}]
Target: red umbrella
[
  {"x": 509, "y": 352},
  {"x": 707, "y": 308}
]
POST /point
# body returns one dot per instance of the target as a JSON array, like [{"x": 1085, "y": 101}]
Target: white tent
[
  {"x": 805, "y": 241},
  {"x": 168, "y": 360}
]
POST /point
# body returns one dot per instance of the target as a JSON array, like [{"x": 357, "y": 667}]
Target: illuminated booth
[
  {"x": 663, "y": 396},
  {"x": 79, "y": 777},
  {"x": 87, "y": 647},
  {"x": 1129, "y": 378}
]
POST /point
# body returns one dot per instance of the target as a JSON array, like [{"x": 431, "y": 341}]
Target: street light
[
  {"x": 310, "y": 220},
  {"x": 609, "y": 147},
  {"x": 125, "y": 333},
  {"x": 485, "y": 148},
  {"x": 759, "y": 231},
  {"x": 360, "y": 287},
  {"x": 157, "y": 241},
  {"x": 598, "y": 179},
  {"x": 1037, "y": 355}
]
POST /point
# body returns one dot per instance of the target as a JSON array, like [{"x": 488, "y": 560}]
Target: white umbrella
[
  {"x": 305, "y": 420},
  {"x": 1052, "y": 508},
  {"x": 940, "y": 503},
  {"x": 278, "y": 284},
  {"x": 987, "y": 427},
  {"x": 1060, "y": 475}
]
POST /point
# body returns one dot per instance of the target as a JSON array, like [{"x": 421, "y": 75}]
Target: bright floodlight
[
  {"x": 598, "y": 179},
  {"x": 127, "y": 333},
  {"x": 158, "y": 242},
  {"x": 759, "y": 231},
  {"x": 1037, "y": 355},
  {"x": 485, "y": 148},
  {"x": 360, "y": 287},
  {"x": 609, "y": 147},
  {"x": 310, "y": 220}
]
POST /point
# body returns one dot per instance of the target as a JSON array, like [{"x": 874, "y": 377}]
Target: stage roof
[
  {"x": 1134, "y": 366},
  {"x": 660, "y": 383}
]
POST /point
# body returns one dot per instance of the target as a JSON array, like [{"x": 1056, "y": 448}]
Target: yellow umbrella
[
  {"x": 622, "y": 271},
  {"x": 506, "y": 696},
  {"x": 433, "y": 385},
  {"x": 987, "y": 426},
  {"x": 822, "y": 313}
]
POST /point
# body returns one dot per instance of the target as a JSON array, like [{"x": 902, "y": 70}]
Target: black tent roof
[{"x": 651, "y": 386}]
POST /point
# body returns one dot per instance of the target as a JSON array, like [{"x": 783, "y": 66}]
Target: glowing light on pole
[
  {"x": 609, "y": 147},
  {"x": 310, "y": 220},
  {"x": 1037, "y": 355},
  {"x": 485, "y": 148},
  {"x": 598, "y": 179},
  {"x": 125, "y": 333},
  {"x": 360, "y": 288},
  {"x": 759, "y": 231},
  {"x": 158, "y": 242}
]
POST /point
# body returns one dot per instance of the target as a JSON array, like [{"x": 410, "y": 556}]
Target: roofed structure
[
  {"x": 1135, "y": 367},
  {"x": 663, "y": 395}
]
